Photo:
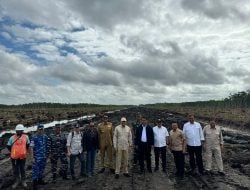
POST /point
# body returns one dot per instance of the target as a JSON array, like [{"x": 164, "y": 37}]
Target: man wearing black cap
[
  {"x": 75, "y": 150},
  {"x": 58, "y": 150},
  {"x": 39, "y": 154}
]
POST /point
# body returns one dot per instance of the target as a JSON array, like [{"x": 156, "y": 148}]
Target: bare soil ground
[{"x": 236, "y": 158}]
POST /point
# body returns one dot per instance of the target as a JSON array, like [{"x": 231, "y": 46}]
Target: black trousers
[
  {"x": 160, "y": 151},
  {"x": 18, "y": 167},
  {"x": 144, "y": 153},
  {"x": 195, "y": 151},
  {"x": 179, "y": 160}
]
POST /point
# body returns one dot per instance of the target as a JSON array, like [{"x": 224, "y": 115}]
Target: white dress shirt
[
  {"x": 160, "y": 135},
  {"x": 193, "y": 133},
  {"x": 143, "y": 135}
]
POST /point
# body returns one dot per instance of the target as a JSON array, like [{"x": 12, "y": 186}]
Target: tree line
[
  {"x": 236, "y": 100},
  {"x": 44, "y": 105}
]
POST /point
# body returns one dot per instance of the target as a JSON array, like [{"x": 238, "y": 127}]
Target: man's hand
[
  {"x": 222, "y": 148},
  {"x": 68, "y": 153},
  {"x": 33, "y": 160}
]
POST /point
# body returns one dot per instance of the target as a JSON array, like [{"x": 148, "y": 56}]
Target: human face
[
  {"x": 144, "y": 121},
  {"x": 19, "y": 133},
  {"x": 105, "y": 120},
  {"x": 58, "y": 130},
  {"x": 40, "y": 131},
  {"x": 191, "y": 118},
  {"x": 212, "y": 124},
  {"x": 77, "y": 129},
  {"x": 123, "y": 123},
  {"x": 159, "y": 123},
  {"x": 174, "y": 126}
]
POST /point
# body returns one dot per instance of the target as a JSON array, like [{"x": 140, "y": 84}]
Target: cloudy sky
[{"x": 123, "y": 51}]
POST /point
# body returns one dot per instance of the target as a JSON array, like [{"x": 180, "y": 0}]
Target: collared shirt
[
  {"x": 213, "y": 136},
  {"x": 75, "y": 143},
  {"x": 193, "y": 133},
  {"x": 105, "y": 133},
  {"x": 160, "y": 135},
  {"x": 122, "y": 137},
  {"x": 143, "y": 135},
  {"x": 176, "y": 140}
]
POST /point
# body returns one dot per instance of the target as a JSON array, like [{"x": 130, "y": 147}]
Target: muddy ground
[{"x": 236, "y": 156}]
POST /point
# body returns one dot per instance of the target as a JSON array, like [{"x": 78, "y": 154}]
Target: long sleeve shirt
[
  {"x": 213, "y": 136},
  {"x": 122, "y": 137},
  {"x": 105, "y": 134},
  {"x": 75, "y": 143},
  {"x": 193, "y": 133}
]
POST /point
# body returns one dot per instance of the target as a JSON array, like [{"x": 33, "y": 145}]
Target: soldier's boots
[
  {"x": 24, "y": 184},
  {"x": 41, "y": 181},
  {"x": 17, "y": 182},
  {"x": 65, "y": 177},
  {"x": 54, "y": 178},
  {"x": 101, "y": 171},
  {"x": 35, "y": 183}
]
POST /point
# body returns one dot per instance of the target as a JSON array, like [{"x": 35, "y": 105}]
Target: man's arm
[
  {"x": 130, "y": 137},
  {"x": 69, "y": 139},
  {"x": 115, "y": 139}
]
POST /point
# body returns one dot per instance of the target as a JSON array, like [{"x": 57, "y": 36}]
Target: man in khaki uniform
[
  {"x": 213, "y": 145},
  {"x": 106, "y": 136},
  {"x": 122, "y": 141}
]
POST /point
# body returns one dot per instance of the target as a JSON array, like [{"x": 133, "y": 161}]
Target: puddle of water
[{"x": 47, "y": 125}]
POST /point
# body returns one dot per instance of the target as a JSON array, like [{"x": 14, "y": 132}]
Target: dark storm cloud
[
  {"x": 217, "y": 9},
  {"x": 171, "y": 67},
  {"x": 79, "y": 72},
  {"x": 107, "y": 13}
]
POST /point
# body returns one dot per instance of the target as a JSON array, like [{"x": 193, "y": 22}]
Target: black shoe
[
  {"x": 34, "y": 184},
  {"x": 116, "y": 176},
  {"x": 102, "y": 170},
  {"x": 42, "y": 182},
  {"x": 221, "y": 173},
  {"x": 141, "y": 172},
  {"x": 73, "y": 177},
  {"x": 54, "y": 178},
  {"x": 65, "y": 178},
  {"x": 191, "y": 172},
  {"x": 150, "y": 171},
  {"x": 112, "y": 170},
  {"x": 127, "y": 175},
  {"x": 164, "y": 170},
  {"x": 156, "y": 169}
]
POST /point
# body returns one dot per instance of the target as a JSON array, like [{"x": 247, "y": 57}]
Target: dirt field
[{"x": 236, "y": 158}]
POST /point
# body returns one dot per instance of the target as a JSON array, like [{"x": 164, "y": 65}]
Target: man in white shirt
[
  {"x": 75, "y": 150},
  {"x": 194, "y": 136},
  {"x": 160, "y": 143}
]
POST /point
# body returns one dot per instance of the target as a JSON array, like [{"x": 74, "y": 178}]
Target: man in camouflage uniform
[
  {"x": 58, "y": 150},
  {"x": 106, "y": 143},
  {"x": 39, "y": 155}
]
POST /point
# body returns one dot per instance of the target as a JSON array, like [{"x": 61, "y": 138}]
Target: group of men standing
[{"x": 83, "y": 145}]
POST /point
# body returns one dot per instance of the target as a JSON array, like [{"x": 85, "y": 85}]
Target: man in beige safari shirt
[
  {"x": 213, "y": 145},
  {"x": 122, "y": 141}
]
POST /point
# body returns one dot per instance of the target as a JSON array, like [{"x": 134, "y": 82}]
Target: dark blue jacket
[{"x": 149, "y": 134}]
